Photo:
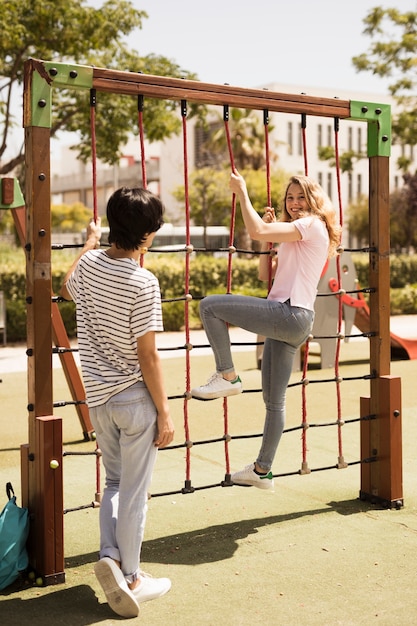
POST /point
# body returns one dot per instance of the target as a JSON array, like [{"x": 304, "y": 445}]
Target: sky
[
  {"x": 305, "y": 43},
  {"x": 251, "y": 43}
]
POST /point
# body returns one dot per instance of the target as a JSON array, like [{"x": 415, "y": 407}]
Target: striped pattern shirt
[{"x": 117, "y": 302}]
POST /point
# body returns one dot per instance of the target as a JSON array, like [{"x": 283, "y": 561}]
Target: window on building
[
  {"x": 359, "y": 186},
  {"x": 204, "y": 156},
  {"x": 300, "y": 140},
  {"x": 359, "y": 148},
  {"x": 320, "y": 179},
  {"x": 350, "y": 138},
  {"x": 350, "y": 187},
  {"x": 319, "y": 135},
  {"x": 329, "y": 184},
  {"x": 329, "y": 135},
  {"x": 290, "y": 137}
]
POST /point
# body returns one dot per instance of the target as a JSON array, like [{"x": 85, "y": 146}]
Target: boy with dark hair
[{"x": 118, "y": 313}]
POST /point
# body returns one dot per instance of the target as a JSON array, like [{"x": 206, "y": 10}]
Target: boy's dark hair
[{"x": 133, "y": 213}]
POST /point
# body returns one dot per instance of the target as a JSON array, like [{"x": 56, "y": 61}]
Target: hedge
[{"x": 207, "y": 275}]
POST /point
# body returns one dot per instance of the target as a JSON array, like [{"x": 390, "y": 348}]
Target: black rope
[
  {"x": 96, "y": 452},
  {"x": 68, "y": 402},
  {"x": 92, "y": 505},
  {"x": 61, "y": 350},
  {"x": 192, "y": 489}
]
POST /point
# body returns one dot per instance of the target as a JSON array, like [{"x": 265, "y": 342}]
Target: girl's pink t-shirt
[{"x": 300, "y": 264}]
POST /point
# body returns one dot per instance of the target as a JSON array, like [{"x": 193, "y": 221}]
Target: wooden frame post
[
  {"x": 44, "y": 484},
  {"x": 381, "y": 432}
]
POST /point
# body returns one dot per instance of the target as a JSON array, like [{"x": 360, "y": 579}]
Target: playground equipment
[
  {"x": 41, "y": 457},
  {"x": 401, "y": 347},
  {"x": 355, "y": 312}
]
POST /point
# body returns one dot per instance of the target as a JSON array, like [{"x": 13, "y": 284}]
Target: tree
[
  {"x": 69, "y": 31},
  {"x": 247, "y": 139},
  {"x": 358, "y": 220},
  {"x": 393, "y": 54},
  {"x": 69, "y": 218},
  {"x": 346, "y": 159},
  {"x": 403, "y": 215},
  {"x": 210, "y": 197}
]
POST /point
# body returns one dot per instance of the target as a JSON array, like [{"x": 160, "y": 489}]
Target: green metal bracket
[
  {"x": 70, "y": 75},
  {"x": 378, "y": 117},
  {"x": 40, "y": 104},
  {"x": 14, "y": 195},
  {"x": 48, "y": 75}
]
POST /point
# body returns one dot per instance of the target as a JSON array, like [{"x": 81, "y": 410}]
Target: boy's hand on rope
[{"x": 94, "y": 231}]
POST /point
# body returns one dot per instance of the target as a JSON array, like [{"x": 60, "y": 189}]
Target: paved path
[{"x": 14, "y": 359}]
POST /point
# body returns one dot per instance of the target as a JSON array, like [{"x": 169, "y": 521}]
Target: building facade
[{"x": 164, "y": 161}]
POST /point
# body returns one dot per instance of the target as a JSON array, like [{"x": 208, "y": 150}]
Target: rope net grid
[{"x": 192, "y": 450}]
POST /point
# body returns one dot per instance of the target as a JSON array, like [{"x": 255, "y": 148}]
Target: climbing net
[
  {"x": 337, "y": 379},
  {"x": 227, "y": 437}
]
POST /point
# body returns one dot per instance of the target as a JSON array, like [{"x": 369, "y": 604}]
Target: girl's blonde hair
[{"x": 319, "y": 204}]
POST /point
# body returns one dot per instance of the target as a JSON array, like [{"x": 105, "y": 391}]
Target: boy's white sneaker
[
  {"x": 118, "y": 595},
  {"x": 151, "y": 588},
  {"x": 217, "y": 387}
]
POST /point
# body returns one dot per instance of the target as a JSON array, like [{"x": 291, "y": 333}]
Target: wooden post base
[
  {"x": 381, "y": 446},
  {"x": 42, "y": 494}
]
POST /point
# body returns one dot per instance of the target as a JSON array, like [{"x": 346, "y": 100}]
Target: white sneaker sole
[
  {"x": 268, "y": 484},
  {"x": 118, "y": 595},
  {"x": 214, "y": 395}
]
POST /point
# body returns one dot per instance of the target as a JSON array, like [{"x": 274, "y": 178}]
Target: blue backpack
[{"x": 14, "y": 530}]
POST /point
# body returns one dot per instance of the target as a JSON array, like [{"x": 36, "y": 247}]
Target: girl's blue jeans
[
  {"x": 285, "y": 327},
  {"x": 125, "y": 427}
]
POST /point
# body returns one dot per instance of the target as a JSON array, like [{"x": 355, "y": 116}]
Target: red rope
[
  {"x": 304, "y": 464},
  {"x": 233, "y": 214},
  {"x": 98, "y": 475},
  {"x": 268, "y": 187},
  {"x": 304, "y": 141},
  {"x": 142, "y": 141},
  {"x": 340, "y": 304},
  {"x": 187, "y": 288},
  {"x": 142, "y": 155},
  {"x": 229, "y": 273},
  {"x": 93, "y": 102}
]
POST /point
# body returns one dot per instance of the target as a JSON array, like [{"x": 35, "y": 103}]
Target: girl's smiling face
[{"x": 295, "y": 202}]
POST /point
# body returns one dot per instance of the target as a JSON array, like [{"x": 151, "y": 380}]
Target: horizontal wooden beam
[{"x": 129, "y": 83}]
